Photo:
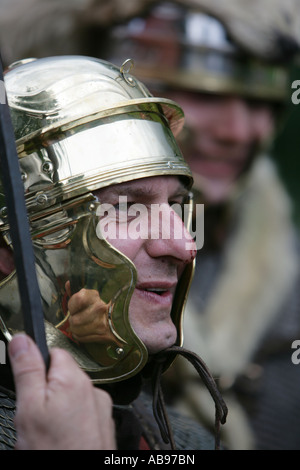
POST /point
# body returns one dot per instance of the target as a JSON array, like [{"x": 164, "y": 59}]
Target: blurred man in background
[{"x": 227, "y": 64}]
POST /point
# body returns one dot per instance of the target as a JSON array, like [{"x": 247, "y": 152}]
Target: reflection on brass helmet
[
  {"x": 82, "y": 124},
  {"x": 183, "y": 47}
]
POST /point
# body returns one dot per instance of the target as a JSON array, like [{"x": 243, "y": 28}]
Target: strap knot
[{"x": 159, "y": 409}]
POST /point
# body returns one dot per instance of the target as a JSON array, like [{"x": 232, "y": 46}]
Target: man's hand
[
  {"x": 89, "y": 317},
  {"x": 61, "y": 410}
]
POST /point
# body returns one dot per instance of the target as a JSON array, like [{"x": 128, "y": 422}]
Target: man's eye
[
  {"x": 123, "y": 206},
  {"x": 177, "y": 207},
  {"x": 178, "y": 203}
]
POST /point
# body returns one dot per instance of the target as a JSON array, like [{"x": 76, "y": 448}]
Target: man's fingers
[
  {"x": 61, "y": 373},
  {"x": 60, "y": 410},
  {"x": 68, "y": 288},
  {"x": 83, "y": 299},
  {"x": 105, "y": 406},
  {"x": 28, "y": 366}
]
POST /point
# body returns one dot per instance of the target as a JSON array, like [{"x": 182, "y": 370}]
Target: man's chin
[{"x": 158, "y": 346}]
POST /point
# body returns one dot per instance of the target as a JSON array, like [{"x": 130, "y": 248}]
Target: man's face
[
  {"x": 159, "y": 260},
  {"x": 225, "y": 132}
]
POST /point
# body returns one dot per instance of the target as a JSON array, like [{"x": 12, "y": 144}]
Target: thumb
[{"x": 28, "y": 366}]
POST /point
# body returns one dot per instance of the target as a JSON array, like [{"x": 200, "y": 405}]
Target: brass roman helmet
[
  {"x": 185, "y": 46},
  {"x": 82, "y": 124}
]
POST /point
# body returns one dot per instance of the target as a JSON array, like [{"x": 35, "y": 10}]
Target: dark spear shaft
[{"x": 20, "y": 232}]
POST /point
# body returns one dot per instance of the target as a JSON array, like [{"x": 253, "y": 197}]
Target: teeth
[{"x": 156, "y": 290}]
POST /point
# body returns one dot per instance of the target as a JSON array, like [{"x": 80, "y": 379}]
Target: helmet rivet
[
  {"x": 23, "y": 176},
  {"x": 130, "y": 80},
  {"x": 47, "y": 167},
  {"x": 91, "y": 207},
  {"x": 3, "y": 212},
  {"x": 120, "y": 351},
  {"x": 41, "y": 199}
]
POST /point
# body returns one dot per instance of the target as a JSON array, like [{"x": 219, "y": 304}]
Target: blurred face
[
  {"x": 225, "y": 132},
  {"x": 159, "y": 259}
]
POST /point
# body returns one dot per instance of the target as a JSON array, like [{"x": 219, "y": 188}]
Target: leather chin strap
[{"x": 159, "y": 408}]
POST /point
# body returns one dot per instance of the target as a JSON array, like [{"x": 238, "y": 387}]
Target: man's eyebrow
[
  {"x": 129, "y": 190},
  {"x": 182, "y": 192},
  {"x": 144, "y": 191},
  {"x": 137, "y": 191}
]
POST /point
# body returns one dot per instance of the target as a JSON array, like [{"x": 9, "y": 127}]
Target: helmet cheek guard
[{"x": 82, "y": 124}]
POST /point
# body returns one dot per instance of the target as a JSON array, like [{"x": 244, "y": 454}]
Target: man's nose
[
  {"x": 233, "y": 122},
  {"x": 169, "y": 237}
]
